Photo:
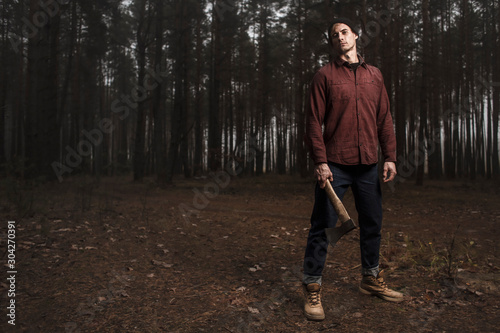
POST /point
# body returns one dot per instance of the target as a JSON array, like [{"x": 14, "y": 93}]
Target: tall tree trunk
[
  {"x": 469, "y": 100},
  {"x": 179, "y": 129},
  {"x": 300, "y": 149},
  {"x": 214, "y": 133},
  {"x": 6, "y": 136},
  {"x": 140, "y": 131},
  {"x": 158, "y": 109},
  {"x": 496, "y": 95},
  {"x": 32, "y": 136},
  {"x": 186, "y": 111},
  {"x": 263, "y": 88},
  {"x": 400, "y": 110},
  {"x": 449, "y": 119},
  {"x": 434, "y": 137},
  {"x": 198, "y": 106},
  {"x": 424, "y": 92}
]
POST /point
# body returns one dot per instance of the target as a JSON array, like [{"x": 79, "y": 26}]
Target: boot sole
[
  {"x": 385, "y": 298},
  {"x": 314, "y": 318}
]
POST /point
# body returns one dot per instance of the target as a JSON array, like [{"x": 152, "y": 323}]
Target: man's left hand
[{"x": 389, "y": 171}]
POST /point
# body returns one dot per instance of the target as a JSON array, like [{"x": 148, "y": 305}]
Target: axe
[{"x": 346, "y": 223}]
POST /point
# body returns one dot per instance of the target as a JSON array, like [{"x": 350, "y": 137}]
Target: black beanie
[{"x": 344, "y": 20}]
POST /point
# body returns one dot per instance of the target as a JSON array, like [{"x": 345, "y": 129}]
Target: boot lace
[
  {"x": 314, "y": 297},
  {"x": 382, "y": 283}
]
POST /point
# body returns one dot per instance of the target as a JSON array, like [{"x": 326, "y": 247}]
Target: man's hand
[
  {"x": 323, "y": 174},
  {"x": 389, "y": 171}
]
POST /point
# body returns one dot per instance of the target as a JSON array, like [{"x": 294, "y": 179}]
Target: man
[{"x": 348, "y": 116}]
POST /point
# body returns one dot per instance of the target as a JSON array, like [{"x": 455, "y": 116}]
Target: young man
[{"x": 348, "y": 116}]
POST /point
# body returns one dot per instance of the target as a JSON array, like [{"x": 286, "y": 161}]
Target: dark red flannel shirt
[{"x": 355, "y": 112}]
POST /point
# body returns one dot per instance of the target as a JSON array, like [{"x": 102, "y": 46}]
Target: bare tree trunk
[
  {"x": 140, "y": 131},
  {"x": 6, "y": 137},
  {"x": 400, "y": 109},
  {"x": 158, "y": 109},
  {"x": 179, "y": 126},
  {"x": 198, "y": 107},
  {"x": 424, "y": 94},
  {"x": 449, "y": 119},
  {"x": 469, "y": 102},
  {"x": 300, "y": 149},
  {"x": 496, "y": 97},
  {"x": 434, "y": 137},
  {"x": 214, "y": 133},
  {"x": 32, "y": 136},
  {"x": 185, "y": 113},
  {"x": 263, "y": 88}
]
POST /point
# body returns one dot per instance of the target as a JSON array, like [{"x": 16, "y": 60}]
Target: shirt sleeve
[
  {"x": 385, "y": 128},
  {"x": 315, "y": 114}
]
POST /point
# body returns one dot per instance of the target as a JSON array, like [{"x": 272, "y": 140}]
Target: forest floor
[{"x": 118, "y": 256}]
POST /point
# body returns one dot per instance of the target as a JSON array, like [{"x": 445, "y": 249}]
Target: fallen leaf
[
  {"x": 62, "y": 230},
  {"x": 255, "y": 268},
  {"x": 161, "y": 263},
  {"x": 253, "y": 310}
]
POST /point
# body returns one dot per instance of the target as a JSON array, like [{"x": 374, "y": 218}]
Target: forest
[
  {"x": 183, "y": 88},
  {"x": 154, "y": 176}
]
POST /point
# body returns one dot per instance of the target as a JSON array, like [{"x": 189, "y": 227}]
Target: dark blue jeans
[{"x": 365, "y": 185}]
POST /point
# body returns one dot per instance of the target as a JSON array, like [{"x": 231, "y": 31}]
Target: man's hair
[{"x": 345, "y": 21}]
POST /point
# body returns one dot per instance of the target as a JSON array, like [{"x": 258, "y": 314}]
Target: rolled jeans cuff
[
  {"x": 308, "y": 279},
  {"x": 370, "y": 271}
]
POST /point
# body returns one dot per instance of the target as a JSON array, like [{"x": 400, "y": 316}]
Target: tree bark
[
  {"x": 214, "y": 133},
  {"x": 157, "y": 106},
  {"x": 140, "y": 131},
  {"x": 424, "y": 93}
]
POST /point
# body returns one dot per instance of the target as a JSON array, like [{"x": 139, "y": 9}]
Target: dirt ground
[{"x": 225, "y": 255}]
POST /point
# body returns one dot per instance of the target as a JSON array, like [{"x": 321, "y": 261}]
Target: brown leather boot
[
  {"x": 376, "y": 286},
  {"x": 313, "y": 309}
]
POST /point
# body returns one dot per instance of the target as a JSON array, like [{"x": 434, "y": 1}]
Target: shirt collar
[{"x": 340, "y": 62}]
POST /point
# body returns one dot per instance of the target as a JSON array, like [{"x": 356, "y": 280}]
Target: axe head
[{"x": 334, "y": 234}]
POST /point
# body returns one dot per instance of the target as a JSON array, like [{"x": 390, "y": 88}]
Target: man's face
[{"x": 343, "y": 39}]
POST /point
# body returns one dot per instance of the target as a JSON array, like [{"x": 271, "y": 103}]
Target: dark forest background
[{"x": 167, "y": 88}]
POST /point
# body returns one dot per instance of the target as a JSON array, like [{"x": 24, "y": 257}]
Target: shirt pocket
[
  {"x": 340, "y": 91},
  {"x": 370, "y": 89}
]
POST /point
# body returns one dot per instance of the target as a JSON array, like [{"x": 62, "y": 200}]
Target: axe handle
[{"x": 337, "y": 204}]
